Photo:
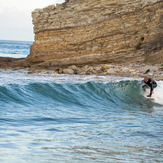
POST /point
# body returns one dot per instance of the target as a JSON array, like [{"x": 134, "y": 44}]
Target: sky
[{"x": 16, "y": 20}]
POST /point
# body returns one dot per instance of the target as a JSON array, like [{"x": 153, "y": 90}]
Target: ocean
[
  {"x": 49, "y": 118},
  {"x": 14, "y": 49}
]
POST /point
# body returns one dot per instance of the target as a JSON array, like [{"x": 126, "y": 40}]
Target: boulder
[
  {"x": 68, "y": 71},
  {"x": 105, "y": 67},
  {"x": 125, "y": 70},
  {"x": 75, "y": 69},
  {"x": 60, "y": 71},
  {"x": 117, "y": 70}
]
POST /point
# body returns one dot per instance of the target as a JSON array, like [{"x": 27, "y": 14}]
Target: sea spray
[{"x": 158, "y": 93}]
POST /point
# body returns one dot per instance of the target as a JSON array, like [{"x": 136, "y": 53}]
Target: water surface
[{"x": 62, "y": 118}]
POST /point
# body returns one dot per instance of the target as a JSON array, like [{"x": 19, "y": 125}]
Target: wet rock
[
  {"x": 82, "y": 73},
  {"x": 98, "y": 68},
  {"x": 125, "y": 70},
  {"x": 55, "y": 72},
  {"x": 76, "y": 69},
  {"x": 85, "y": 68},
  {"x": 31, "y": 70},
  {"x": 60, "y": 71},
  {"x": 110, "y": 71},
  {"x": 117, "y": 70},
  {"x": 68, "y": 71},
  {"x": 105, "y": 67}
]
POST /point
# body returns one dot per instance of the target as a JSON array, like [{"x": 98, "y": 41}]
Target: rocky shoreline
[
  {"x": 132, "y": 70},
  {"x": 135, "y": 71}
]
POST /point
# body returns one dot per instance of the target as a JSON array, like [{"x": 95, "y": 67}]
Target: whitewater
[{"x": 48, "y": 118}]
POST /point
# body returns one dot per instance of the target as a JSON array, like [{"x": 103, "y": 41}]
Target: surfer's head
[{"x": 146, "y": 79}]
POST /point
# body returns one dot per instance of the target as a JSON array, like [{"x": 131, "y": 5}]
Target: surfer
[{"x": 149, "y": 83}]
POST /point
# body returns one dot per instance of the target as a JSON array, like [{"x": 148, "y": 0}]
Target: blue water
[
  {"x": 14, "y": 49},
  {"x": 69, "y": 118}
]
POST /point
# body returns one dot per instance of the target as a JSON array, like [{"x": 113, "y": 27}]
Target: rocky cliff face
[{"x": 98, "y": 31}]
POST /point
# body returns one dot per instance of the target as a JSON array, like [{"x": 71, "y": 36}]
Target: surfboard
[{"x": 146, "y": 93}]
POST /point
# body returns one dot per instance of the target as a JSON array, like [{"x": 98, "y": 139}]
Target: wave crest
[{"x": 124, "y": 94}]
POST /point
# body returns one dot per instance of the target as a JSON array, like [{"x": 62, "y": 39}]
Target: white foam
[
  {"x": 13, "y": 55},
  {"x": 15, "y": 77},
  {"x": 157, "y": 96},
  {"x": 158, "y": 93}
]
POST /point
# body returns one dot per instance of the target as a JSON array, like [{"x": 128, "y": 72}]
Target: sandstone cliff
[{"x": 98, "y": 31}]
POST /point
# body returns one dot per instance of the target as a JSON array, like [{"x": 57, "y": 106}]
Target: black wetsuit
[{"x": 151, "y": 83}]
